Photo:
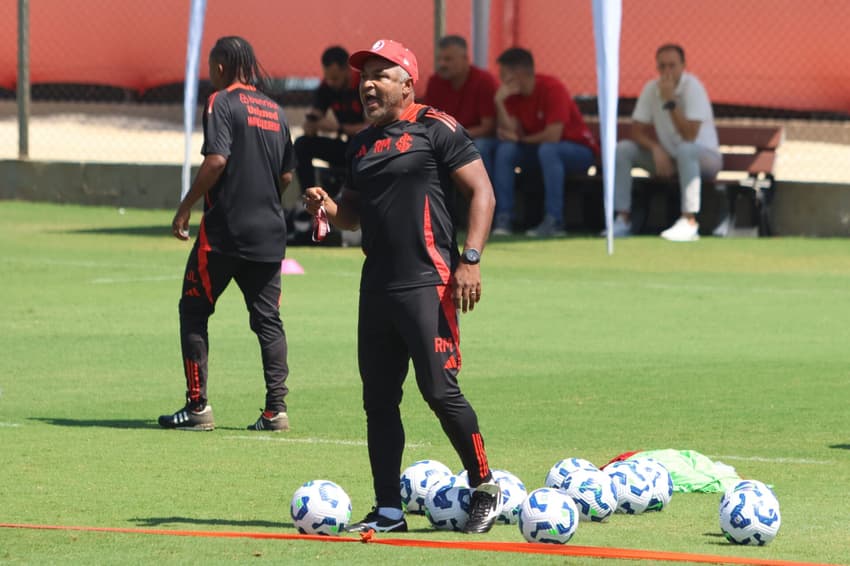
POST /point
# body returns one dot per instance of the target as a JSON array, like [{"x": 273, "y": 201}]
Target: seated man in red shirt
[
  {"x": 466, "y": 93},
  {"x": 539, "y": 125}
]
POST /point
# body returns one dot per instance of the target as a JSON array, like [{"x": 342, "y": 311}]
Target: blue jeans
[
  {"x": 487, "y": 148},
  {"x": 555, "y": 161}
]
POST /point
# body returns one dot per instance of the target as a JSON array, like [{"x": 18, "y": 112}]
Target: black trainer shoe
[
  {"x": 273, "y": 422},
  {"x": 189, "y": 419},
  {"x": 484, "y": 506},
  {"x": 378, "y": 523}
]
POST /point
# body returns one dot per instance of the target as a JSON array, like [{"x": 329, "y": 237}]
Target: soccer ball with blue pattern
[
  {"x": 559, "y": 472},
  {"x": 417, "y": 479},
  {"x": 634, "y": 489},
  {"x": 660, "y": 480},
  {"x": 549, "y": 516},
  {"x": 447, "y": 504},
  {"x": 593, "y": 492},
  {"x": 513, "y": 495},
  {"x": 749, "y": 514},
  {"x": 320, "y": 507}
]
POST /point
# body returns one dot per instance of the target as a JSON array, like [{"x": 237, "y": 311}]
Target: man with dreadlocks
[{"x": 248, "y": 162}]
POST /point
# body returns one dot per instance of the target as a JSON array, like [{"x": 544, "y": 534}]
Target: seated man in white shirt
[{"x": 676, "y": 105}]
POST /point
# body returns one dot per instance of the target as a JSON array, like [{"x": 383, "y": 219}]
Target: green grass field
[{"x": 734, "y": 348}]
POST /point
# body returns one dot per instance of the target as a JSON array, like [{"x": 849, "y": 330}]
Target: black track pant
[
  {"x": 394, "y": 327},
  {"x": 207, "y": 275},
  {"x": 306, "y": 148}
]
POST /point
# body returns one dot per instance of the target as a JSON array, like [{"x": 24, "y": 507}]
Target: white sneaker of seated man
[
  {"x": 682, "y": 231},
  {"x": 621, "y": 228}
]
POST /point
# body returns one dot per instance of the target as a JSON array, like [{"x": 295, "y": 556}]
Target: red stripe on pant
[
  {"x": 481, "y": 455},
  {"x": 193, "y": 379}
]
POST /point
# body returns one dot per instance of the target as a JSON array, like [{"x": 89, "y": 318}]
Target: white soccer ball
[
  {"x": 513, "y": 495},
  {"x": 320, "y": 507},
  {"x": 416, "y": 480},
  {"x": 447, "y": 504},
  {"x": 660, "y": 480},
  {"x": 593, "y": 492},
  {"x": 749, "y": 514},
  {"x": 559, "y": 472},
  {"x": 634, "y": 489},
  {"x": 548, "y": 515}
]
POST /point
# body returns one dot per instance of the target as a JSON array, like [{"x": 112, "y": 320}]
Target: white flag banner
[
  {"x": 190, "y": 86},
  {"x": 607, "y": 16}
]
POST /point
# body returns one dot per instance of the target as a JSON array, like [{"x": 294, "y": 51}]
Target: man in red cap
[{"x": 401, "y": 175}]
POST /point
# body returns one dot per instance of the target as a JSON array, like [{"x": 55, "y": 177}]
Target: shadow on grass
[
  {"x": 159, "y": 230},
  {"x": 841, "y": 446},
  {"x": 100, "y": 423},
  {"x": 159, "y": 521}
]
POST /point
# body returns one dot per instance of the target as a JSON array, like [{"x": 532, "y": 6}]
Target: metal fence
[{"x": 107, "y": 76}]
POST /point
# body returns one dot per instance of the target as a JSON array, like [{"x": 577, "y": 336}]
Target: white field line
[
  {"x": 336, "y": 442},
  {"x": 9, "y": 425},
  {"x": 110, "y": 280},
  {"x": 67, "y": 262},
  {"x": 774, "y": 460}
]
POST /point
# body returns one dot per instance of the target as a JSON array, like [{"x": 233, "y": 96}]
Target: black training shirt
[
  {"x": 402, "y": 174},
  {"x": 345, "y": 103},
  {"x": 242, "y": 213}
]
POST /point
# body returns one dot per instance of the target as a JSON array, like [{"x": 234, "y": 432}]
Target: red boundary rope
[{"x": 494, "y": 546}]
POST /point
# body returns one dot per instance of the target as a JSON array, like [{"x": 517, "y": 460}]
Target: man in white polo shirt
[{"x": 676, "y": 105}]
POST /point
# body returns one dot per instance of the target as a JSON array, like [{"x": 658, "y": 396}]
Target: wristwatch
[
  {"x": 669, "y": 105},
  {"x": 471, "y": 256}
]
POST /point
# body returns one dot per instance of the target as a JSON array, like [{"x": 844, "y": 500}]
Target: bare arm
[
  {"x": 640, "y": 135},
  {"x": 474, "y": 183},
  {"x": 688, "y": 129},
  {"x": 343, "y": 213},
  {"x": 663, "y": 161},
  {"x": 551, "y": 133},
  {"x": 285, "y": 180},
  {"x": 211, "y": 169}
]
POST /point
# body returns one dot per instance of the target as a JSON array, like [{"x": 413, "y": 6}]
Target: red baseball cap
[{"x": 392, "y": 51}]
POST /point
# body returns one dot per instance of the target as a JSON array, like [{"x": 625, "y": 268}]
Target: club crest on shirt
[{"x": 404, "y": 143}]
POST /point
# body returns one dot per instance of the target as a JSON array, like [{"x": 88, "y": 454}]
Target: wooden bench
[{"x": 749, "y": 157}]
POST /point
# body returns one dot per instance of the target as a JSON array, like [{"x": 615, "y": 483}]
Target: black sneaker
[
  {"x": 189, "y": 419},
  {"x": 484, "y": 506},
  {"x": 378, "y": 523},
  {"x": 273, "y": 422}
]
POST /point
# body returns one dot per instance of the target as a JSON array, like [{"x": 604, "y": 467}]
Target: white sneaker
[
  {"x": 682, "y": 231},
  {"x": 620, "y": 229}
]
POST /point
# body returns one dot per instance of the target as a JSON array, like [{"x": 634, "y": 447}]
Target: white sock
[{"x": 391, "y": 513}]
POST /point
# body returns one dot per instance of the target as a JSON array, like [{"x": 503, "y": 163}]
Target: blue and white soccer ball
[
  {"x": 447, "y": 504},
  {"x": 417, "y": 479},
  {"x": 593, "y": 492},
  {"x": 513, "y": 495},
  {"x": 549, "y": 516},
  {"x": 660, "y": 480},
  {"x": 749, "y": 514},
  {"x": 633, "y": 487},
  {"x": 559, "y": 472},
  {"x": 320, "y": 507}
]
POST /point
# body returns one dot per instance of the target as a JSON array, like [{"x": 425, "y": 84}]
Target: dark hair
[
  {"x": 516, "y": 57},
  {"x": 240, "y": 63},
  {"x": 449, "y": 40},
  {"x": 335, "y": 55},
  {"x": 671, "y": 47}
]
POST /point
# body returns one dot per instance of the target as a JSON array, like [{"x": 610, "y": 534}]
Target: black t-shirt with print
[
  {"x": 402, "y": 174},
  {"x": 243, "y": 216}
]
